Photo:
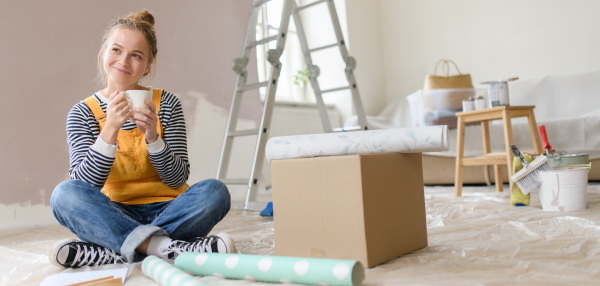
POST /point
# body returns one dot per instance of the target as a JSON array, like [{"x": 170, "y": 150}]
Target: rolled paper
[
  {"x": 397, "y": 140},
  {"x": 166, "y": 274},
  {"x": 278, "y": 269}
]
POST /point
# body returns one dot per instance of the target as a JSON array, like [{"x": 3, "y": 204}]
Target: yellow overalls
[{"x": 133, "y": 180}]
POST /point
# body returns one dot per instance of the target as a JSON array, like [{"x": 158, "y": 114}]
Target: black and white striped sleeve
[
  {"x": 87, "y": 163},
  {"x": 172, "y": 163}
]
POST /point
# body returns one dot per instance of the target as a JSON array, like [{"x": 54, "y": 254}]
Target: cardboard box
[{"x": 369, "y": 208}]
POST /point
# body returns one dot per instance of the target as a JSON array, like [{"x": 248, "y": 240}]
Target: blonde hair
[{"x": 141, "y": 21}]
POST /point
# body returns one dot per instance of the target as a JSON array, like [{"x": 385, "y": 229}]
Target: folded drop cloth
[{"x": 396, "y": 140}]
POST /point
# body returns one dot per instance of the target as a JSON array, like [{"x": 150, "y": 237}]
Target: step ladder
[{"x": 290, "y": 9}]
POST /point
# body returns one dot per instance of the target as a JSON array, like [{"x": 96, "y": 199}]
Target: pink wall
[{"x": 48, "y": 55}]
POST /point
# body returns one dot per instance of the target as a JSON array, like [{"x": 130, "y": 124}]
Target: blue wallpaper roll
[{"x": 397, "y": 140}]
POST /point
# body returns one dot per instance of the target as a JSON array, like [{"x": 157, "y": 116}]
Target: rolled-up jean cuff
[{"x": 136, "y": 237}]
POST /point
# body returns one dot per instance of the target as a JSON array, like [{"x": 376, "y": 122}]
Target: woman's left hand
[{"x": 146, "y": 120}]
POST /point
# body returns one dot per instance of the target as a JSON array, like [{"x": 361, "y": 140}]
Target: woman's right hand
[{"x": 118, "y": 111}]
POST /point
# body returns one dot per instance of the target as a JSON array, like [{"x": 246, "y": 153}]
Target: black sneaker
[
  {"x": 70, "y": 253},
  {"x": 217, "y": 243}
]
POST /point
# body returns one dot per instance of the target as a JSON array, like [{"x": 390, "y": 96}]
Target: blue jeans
[{"x": 93, "y": 217}]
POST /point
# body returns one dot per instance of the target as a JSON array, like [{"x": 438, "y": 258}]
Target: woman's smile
[{"x": 121, "y": 70}]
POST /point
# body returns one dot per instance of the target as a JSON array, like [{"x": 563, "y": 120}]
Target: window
[
  {"x": 292, "y": 60},
  {"x": 319, "y": 32}
]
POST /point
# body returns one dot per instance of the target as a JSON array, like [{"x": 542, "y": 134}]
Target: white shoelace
[
  {"x": 95, "y": 255},
  {"x": 178, "y": 246}
]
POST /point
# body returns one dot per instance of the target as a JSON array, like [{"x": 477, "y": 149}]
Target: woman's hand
[
  {"x": 117, "y": 113},
  {"x": 146, "y": 120},
  {"x": 117, "y": 110}
]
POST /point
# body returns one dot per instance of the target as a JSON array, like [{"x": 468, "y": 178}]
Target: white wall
[
  {"x": 365, "y": 41},
  {"x": 489, "y": 39}
]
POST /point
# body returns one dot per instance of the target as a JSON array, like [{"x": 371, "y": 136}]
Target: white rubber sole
[
  {"x": 229, "y": 243},
  {"x": 53, "y": 255}
]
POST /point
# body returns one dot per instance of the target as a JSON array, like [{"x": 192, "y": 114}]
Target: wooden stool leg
[
  {"x": 498, "y": 175},
  {"x": 485, "y": 136},
  {"x": 508, "y": 141},
  {"x": 535, "y": 134},
  {"x": 460, "y": 141}
]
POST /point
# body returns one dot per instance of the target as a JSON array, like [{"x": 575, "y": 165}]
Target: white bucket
[{"x": 564, "y": 189}]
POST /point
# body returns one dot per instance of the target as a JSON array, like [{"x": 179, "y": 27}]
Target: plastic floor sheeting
[{"x": 478, "y": 238}]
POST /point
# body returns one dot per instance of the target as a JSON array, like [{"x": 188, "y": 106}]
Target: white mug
[{"x": 136, "y": 97}]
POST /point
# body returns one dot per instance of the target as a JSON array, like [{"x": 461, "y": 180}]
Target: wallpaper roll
[
  {"x": 397, "y": 140},
  {"x": 279, "y": 269},
  {"x": 166, "y": 274}
]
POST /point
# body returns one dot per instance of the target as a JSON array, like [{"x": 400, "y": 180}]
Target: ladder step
[
  {"x": 336, "y": 89},
  {"x": 253, "y": 85},
  {"x": 323, "y": 47},
  {"x": 242, "y": 132},
  {"x": 263, "y": 41},
  {"x": 309, "y": 5},
  {"x": 235, "y": 181}
]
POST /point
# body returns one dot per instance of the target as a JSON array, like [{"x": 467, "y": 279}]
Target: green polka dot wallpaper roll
[
  {"x": 273, "y": 268},
  {"x": 166, "y": 274}
]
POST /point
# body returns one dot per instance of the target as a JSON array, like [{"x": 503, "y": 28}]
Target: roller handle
[
  {"x": 517, "y": 153},
  {"x": 545, "y": 145}
]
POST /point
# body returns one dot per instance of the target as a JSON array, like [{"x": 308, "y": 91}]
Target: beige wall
[
  {"x": 488, "y": 39},
  {"x": 48, "y": 55}
]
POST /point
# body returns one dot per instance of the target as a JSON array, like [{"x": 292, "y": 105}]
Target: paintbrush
[
  {"x": 528, "y": 178},
  {"x": 546, "y": 145}
]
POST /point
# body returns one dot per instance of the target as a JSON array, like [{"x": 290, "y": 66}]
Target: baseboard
[{"x": 16, "y": 217}]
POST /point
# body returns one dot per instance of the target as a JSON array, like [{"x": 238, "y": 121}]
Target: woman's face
[{"x": 126, "y": 58}]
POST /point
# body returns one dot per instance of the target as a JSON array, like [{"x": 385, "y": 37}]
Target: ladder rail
[
  {"x": 358, "y": 106},
  {"x": 313, "y": 69},
  {"x": 240, "y": 87},
  {"x": 236, "y": 99},
  {"x": 263, "y": 136},
  {"x": 227, "y": 140},
  {"x": 360, "y": 112},
  {"x": 335, "y": 21},
  {"x": 265, "y": 122}
]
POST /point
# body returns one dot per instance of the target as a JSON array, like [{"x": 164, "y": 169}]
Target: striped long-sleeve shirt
[{"x": 91, "y": 158}]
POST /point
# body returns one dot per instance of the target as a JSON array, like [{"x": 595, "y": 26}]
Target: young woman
[{"x": 127, "y": 196}]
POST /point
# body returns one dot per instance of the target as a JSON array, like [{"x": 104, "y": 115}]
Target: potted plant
[{"x": 300, "y": 79}]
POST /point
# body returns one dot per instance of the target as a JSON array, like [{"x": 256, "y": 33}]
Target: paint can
[
  {"x": 498, "y": 93},
  {"x": 480, "y": 103},
  {"x": 564, "y": 159},
  {"x": 468, "y": 104},
  {"x": 564, "y": 189}
]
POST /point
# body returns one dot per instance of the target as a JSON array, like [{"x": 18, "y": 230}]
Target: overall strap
[
  {"x": 93, "y": 104},
  {"x": 156, "y": 96}
]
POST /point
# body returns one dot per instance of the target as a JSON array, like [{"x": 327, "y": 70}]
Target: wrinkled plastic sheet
[{"x": 478, "y": 238}]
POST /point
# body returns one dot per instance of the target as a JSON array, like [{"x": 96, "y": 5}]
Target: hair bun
[{"x": 142, "y": 15}]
